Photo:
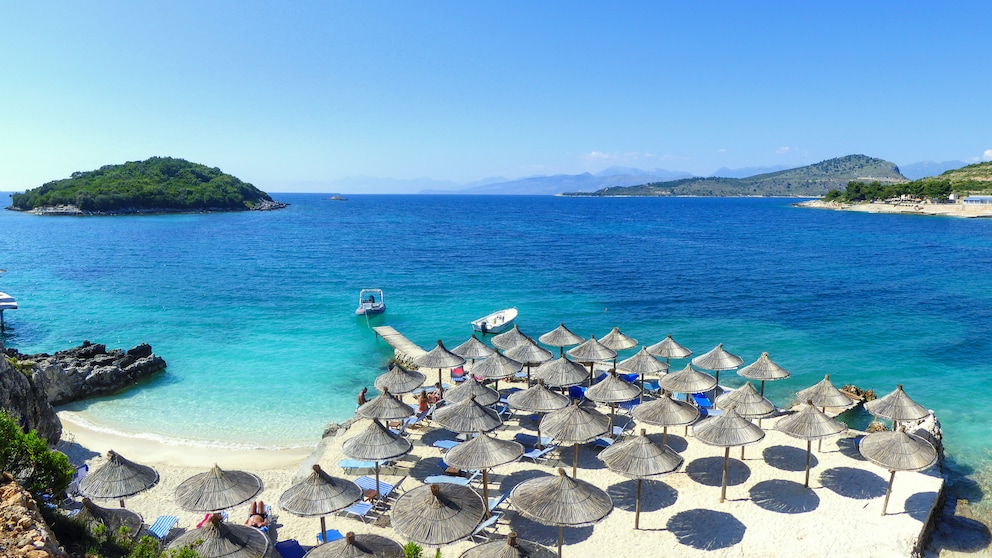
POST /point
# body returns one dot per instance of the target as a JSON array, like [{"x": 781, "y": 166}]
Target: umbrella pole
[
  {"x": 809, "y": 447},
  {"x": 637, "y": 507},
  {"x": 323, "y": 530},
  {"x": 528, "y": 374},
  {"x": 762, "y": 388},
  {"x": 575, "y": 458},
  {"x": 485, "y": 490},
  {"x": 819, "y": 443},
  {"x": 726, "y": 461},
  {"x": 664, "y": 437},
  {"x": 439, "y": 376},
  {"x": 376, "y": 480},
  {"x": 742, "y": 453},
  {"x": 539, "y": 445},
  {"x": 559, "y": 540},
  {"x": 613, "y": 414},
  {"x": 590, "y": 375},
  {"x": 888, "y": 492}
]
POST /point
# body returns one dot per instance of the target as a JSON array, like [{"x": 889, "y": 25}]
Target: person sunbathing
[
  {"x": 436, "y": 394},
  {"x": 257, "y": 517}
]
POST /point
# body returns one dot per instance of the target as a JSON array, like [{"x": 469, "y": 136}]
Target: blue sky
[{"x": 293, "y": 95}]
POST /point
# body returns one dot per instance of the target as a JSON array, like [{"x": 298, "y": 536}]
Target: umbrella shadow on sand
[
  {"x": 677, "y": 443},
  {"x": 435, "y": 435},
  {"x": 706, "y": 529},
  {"x": 849, "y": 448},
  {"x": 918, "y": 505},
  {"x": 782, "y": 496},
  {"x": 787, "y": 458},
  {"x": 709, "y": 471},
  {"x": 656, "y": 495},
  {"x": 853, "y": 483},
  {"x": 546, "y": 534},
  {"x": 507, "y": 483}
]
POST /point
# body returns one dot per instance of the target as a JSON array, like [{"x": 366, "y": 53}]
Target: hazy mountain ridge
[{"x": 923, "y": 169}]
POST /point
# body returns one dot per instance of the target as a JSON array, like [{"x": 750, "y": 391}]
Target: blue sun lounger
[{"x": 162, "y": 526}]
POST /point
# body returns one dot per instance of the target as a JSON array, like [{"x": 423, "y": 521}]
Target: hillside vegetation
[
  {"x": 971, "y": 179},
  {"x": 813, "y": 180},
  {"x": 159, "y": 183}
]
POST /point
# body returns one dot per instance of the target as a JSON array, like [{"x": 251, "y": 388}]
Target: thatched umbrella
[
  {"x": 483, "y": 452},
  {"x": 897, "y": 451},
  {"x": 467, "y": 416},
  {"x": 561, "y": 501},
  {"x": 358, "y": 546},
  {"x": 560, "y": 337},
  {"x": 509, "y": 339},
  {"x": 538, "y": 399},
  {"x": 217, "y": 539},
  {"x": 217, "y": 490},
  {"x": 613, "y": 390},
  {"x": 688, "y": 380},
  {"x": 529, "y": 353},
  {"x": 497, "y": 367},
  {"x": 640, "y": 458},
  {"x": 511, "y": 547},
  {"x": 809, "y": 424},
  {"x": 643, "y": 363},
  {"x": 439, "y": 358},
  {"x": 112, "y": 519},
  {"x": 561, "y": 372},
  {"x": 764, "y": 370},
  {"x": 399, "y": 380},
  {"x": 319, "y": 495},
  {"x": 726, "y": 431},
  {"x": 666, "y": 412},
  {"x": 718, "y": 359},
  {"x": 896, "y": 406},
  {"x": 575, "y": 424},
  {"x": 748, "y": 403},
  {"x": 823, "y": 394},
  {"x": 668, "y": 349},
  {"x": 473, "y": 349},
  {"x": 591, "y": 352},
  {"x": 376, "y": 443},
  {"x": 385, "y": 407},
  {"x": 117, "y": 478},
  {"x": 469, "y": 388},
  {"x": 438, "y": 514},
  {"x": 618, "y": 341}
]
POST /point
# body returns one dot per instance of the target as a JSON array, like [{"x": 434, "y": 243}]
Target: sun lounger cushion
[
  {"x": 480, "y": 531},
  {"x": 332, "y": 535},
  {"x": 290, "y": 548},
  {"x": 445, "y": 479},
  {"x": 445, "y": 444},
  {"x": 361, "y": 510},
  {"x": 356, "y": 464},
  {"x": 160, "y": 529},
  {"x": 537, "y": 455}
]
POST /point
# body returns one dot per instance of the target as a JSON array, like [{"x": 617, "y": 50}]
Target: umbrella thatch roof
[
  {"x": 376, "y": 443},
  {"x": 537, "y": 399},
  {"x": 560, "y": 336},
  {"x": 398, "y": 380},
  {"x": 483, "y": 452},
  {"x": 217, "y": 490},
  {"x": 509, "y": 339},
  {"x": 575, "y": 423},
  {"x": 613, "y": 390},
  {"x": 666, "y": 411},
  {"x": 592, "y": 351},
  {"x": 438, "y": 357},
  {"x": 471, "y": 388},
  {"x": 763, "y": 369},
  {"x": 319, "y": 494},
  {"x": 467, "y": 416},
  {"x": 668, "y": 348},
  {"x": 824, "y": 394},
  {"x": 561, "y": 372},
  {"x": 687, "y": 380},
  {"x": 639, "y": 457},
  {"x": 385, "y": 407},
  {"x": 643, "y": 363},
  {"x": 747, "y": 402},
  {"x": 718, "y": 359},
  {"x": 217, "y": 539},
  {"x": 561, "y": 500},
  {"x": 497, "y": 367},
  {"x": 809, "y": 423},
  {"x": 617, "y": 341},
  {"x": 473, "y": 349},
  {"x": 727, "y": 430},
  {"x": 511, "y": 547},
  {"x": 896, "y": 406},
  {"x": 112, "y": 518},
  {"x": 358, "y": 546},
  {"x": 437, "y": 514},
  {"x": 529, "y": 352},
  {"x": 117, "y": 478},
  {"x": 898, "y": 451}
]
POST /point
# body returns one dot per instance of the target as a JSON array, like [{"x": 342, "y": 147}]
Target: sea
[{"x": 254, "y": 311}]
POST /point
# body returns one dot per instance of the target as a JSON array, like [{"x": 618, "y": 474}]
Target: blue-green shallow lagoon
[{"x": 254, "y": 312}]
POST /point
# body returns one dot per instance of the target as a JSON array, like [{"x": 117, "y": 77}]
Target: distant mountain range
[{"x": 923, "y": 169}]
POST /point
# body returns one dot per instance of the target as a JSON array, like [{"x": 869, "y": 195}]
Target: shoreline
[{"x": 960, "y": 210}]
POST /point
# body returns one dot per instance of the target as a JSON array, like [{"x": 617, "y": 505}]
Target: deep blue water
[{"x": 254, "y": 311}]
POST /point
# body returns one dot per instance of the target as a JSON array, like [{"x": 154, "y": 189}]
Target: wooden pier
[{"x": 403, "y": 347}]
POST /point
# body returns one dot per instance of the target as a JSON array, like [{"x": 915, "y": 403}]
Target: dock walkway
[{"x": 403, "y": 347}]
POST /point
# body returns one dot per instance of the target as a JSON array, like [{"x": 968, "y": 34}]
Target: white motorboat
[
  {"x": 497, "y": 322},
  {"x": 370, "y": 302}
]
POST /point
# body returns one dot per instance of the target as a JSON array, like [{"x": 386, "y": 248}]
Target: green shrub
[{"x": 41, "y": 471}]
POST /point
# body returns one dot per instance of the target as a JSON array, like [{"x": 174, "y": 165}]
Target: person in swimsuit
[
  {"x": 361, "y": 396},
  {"x": 257, "y": 517}
]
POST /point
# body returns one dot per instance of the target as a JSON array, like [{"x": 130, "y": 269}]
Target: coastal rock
[
  {"x": 24, "y": 532},
  {"x": 26, "y": 400}
]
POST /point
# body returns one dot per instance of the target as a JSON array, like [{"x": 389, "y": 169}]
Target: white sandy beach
[{"x": 906, "y": 208}]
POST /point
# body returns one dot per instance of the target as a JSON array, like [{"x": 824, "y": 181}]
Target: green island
[
  {"x": 155, "y": 185},
  {"x": 972, "y": 179}
]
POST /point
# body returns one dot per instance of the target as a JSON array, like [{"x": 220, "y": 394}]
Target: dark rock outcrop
[{"x": 27, "y": 401}]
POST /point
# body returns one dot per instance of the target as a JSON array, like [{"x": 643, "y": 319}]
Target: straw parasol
[
  {"x": 399, "y": 380},
  {"x": 467, "y": 416},
  {"x": 561, "y": 501},
  {"x": 496, "y": 368},
  {"x": 727, "y": 430},
  {"x": 511, "y": 547},
  {"x": 529, "y": 353},
  {"x": 439, "y": 358},
  {"x": 117, "y": 478},
  {"x": 438, "y": 514},
  {"x": 718, "y": 359},
  {"x": 217, "y": 539},
  {"x": 823, "y": 394},
  {"x": 561, "y": 372},
  {"x": 538, "y": 399},
  {"x": 613, "y": 390},
  {"x": 618, "y": 341},
  {"x": 668, "y": 349},
  {"x": 575, "y": 424},
  {"x": 357, "y": 546},
  {"x": 809, "y": 424},
  {"x": 897, "y": 407},
  {"x": 471, "y": 387},
  {"x": 560, "y": 337},
  {"x": 748, "y": 403},
  {"x": 764, "y": 370},
  {"x": 591, "y": 352},
  {"x": 509, "y": 339},
  {"x": 897, "y": 451},
  {"x": 484, "y": 452},
  {"x": 319, "y": 495},
  {"x": 376, "y": 443},
  {"x": 643, "y": 363},
  {"x": 112, "y": 519},
  {"x": 666, "y": 412},
  {"x": 639, "y": 458},
  {"x": 385, "y": 407},
  {"x": 217, "y": 490},
  {"x": 473, "y": 349},
  {"x": 688, "y": 380}
]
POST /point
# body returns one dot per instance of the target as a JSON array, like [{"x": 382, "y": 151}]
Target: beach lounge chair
[
  {"x": 628, "y": 406},
  {"x": 503, "y": 410},
  {"x": 702, "y": 401},
  {"x": 481, "y": 531},
  {"x": 652, "y": 386},
  {"x": 408, "y": 422},
  {"x": 72, "y": 491},
  {"x": 530, "y": 440},
  {"x": 395, "y": 492},
  {"x": 352, "y": 464},
  {"x": 621, "y": 429},
  {"x": 445, "y": 479},
  {"x": 539, "y": 455},
  {"x": 360, "y": 510},
  {"x": 497, "y": 501},
  {"x": 601, "y": 443},
  {"x": 458, "y": 374},
  {"x": 332, "y": 535},
  {"x": 445, "y": 445},
  {"x": 162, "y": 526},
  {"x": 368, "y": 484},
  {"x": 577, "y": 393},
  {"x": 290, "y": 548},
  {"x": 223, "y": 516}
]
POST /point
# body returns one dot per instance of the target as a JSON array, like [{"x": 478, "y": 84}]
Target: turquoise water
[{"x": 254, "y": 311}]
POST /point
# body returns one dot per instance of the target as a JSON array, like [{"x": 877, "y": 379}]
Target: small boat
[
  {"x": 336, "y": 198},
  {"x": 497, "y": 322},
  {"x": 370, "y": 302}
]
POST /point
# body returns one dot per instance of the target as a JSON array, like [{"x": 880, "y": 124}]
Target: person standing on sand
[{"x": 361, "y": 396}]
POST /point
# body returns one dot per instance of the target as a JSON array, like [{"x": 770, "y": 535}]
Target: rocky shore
[
  {"x": 23, "y": 532},
  {"x": 905, "y": 208},
  {"x": 73, "y": 210}
]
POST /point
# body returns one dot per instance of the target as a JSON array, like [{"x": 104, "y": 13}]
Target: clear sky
[{"x": 293, "y": 95}]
